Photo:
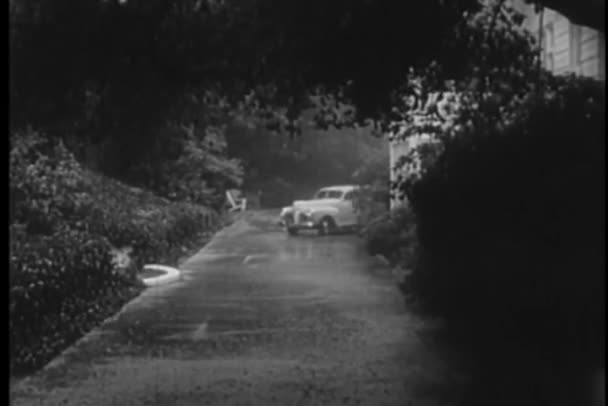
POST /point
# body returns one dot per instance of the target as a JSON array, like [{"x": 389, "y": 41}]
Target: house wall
[{"x": 566, "y": 47}]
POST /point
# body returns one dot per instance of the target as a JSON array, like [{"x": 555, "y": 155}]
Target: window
[
  {"x": 549, "y": 61},
  {"x": 548, "y": 38},
  {"x": 321, "y": 194},
  {"x": 328, "y": 194},
  {"x": 575, "y": 47},
  {"x": 349, "y": 196},
  {"x": 602, "y": 57}
]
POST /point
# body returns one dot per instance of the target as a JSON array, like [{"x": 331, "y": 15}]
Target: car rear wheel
[
  {"x": 327, "y": 226},
  {"x": 292, "y": 231}
]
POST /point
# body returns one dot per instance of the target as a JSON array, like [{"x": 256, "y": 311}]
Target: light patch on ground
[{"x": 256, "y": 259}]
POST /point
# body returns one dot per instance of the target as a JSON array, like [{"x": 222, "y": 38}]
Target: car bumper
[
  {"x": 309, "y": 225},
  {"x": 301, "y": 224}
]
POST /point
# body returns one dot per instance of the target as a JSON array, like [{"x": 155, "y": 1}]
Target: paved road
[{"x": 259, "y": 318}]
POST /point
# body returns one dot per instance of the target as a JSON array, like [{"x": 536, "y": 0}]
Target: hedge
[
  {"x": 60, "y": 288},
  {"x": 65, "y": 221},
  {"x": 510, "y": 228}
]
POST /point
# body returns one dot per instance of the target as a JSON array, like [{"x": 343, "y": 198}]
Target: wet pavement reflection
[{"x": 258, "y": 317}]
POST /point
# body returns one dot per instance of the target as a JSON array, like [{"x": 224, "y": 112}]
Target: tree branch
[{"x": 487, "y": 39}]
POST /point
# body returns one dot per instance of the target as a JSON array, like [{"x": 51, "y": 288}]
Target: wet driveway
[{"x": 258, "y": 318}]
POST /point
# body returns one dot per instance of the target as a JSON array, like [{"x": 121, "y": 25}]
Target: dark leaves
[{"x": 63, "y": 280}]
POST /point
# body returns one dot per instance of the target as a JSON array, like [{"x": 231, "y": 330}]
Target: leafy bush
[
  {"x": 510, "y": 229},
  {"x": 199, "y": 173},
  {"x": 393, "y": 236},
  {"x": 45, "y": 184},
  {"x": 58, "y": 288},
  {"x": 65, "y": 223},
  {"x": 278, "y": 192}
]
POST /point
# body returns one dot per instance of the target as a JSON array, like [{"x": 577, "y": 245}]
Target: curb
[{"x": 170, "y": 275}]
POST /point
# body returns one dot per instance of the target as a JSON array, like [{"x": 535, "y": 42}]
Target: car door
[{"x": 348, "y": 214}]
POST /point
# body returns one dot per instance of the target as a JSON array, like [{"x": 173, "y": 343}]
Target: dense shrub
[
  {"x": 45, "y": 184},
  {"x": 510, "y": 226},
  {"x": 59, "y": 286},
  {"x": 505, "y": 179},
  {"x": 393, "y": 236},
  {"x": 65, "y": 223},
  {"x": 200, "y": 168},
  {"x": 278, "y": 192}
]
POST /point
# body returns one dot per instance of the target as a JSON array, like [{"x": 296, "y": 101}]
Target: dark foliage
[
  {"x": 393, "y": 235},
  {"x": 66, "y": 223},
  {"x": 510, "y": 225},
  {"x": 60, "y": 287},
  {"x": 508, "y": 198},
  {"x": 130, "y": 62}
]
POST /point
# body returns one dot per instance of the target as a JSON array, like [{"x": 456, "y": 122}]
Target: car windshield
[{"x": 328, "y": 194}]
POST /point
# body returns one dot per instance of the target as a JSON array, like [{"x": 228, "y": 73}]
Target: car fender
[{"x": 318, "y": 212}]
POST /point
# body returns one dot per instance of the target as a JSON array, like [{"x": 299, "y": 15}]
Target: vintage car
[{"x": 332, "y": 208}]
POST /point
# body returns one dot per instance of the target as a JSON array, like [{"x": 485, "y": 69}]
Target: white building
[{"x": 566, "y": 47}]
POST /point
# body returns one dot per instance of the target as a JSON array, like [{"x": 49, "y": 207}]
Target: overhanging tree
[{"x": 137, "y": 57}]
